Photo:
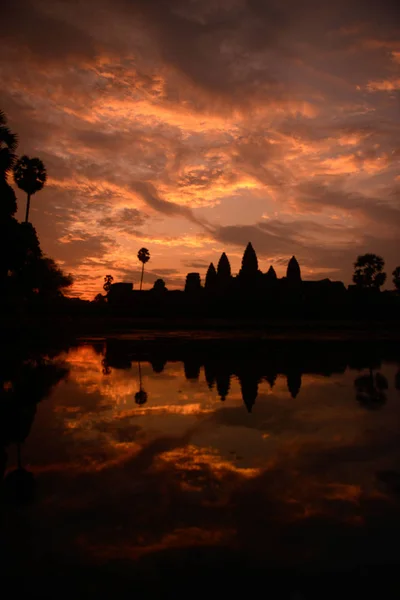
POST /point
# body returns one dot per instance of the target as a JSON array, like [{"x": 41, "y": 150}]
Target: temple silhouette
[{"x": 250, "y": 292}]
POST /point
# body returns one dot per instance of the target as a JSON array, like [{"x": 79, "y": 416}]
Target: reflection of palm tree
[
  {"x": 371, "y": 390},
  {"x": 106, "y": 367},
  {"x": 141, "y": 395},
  {"x": 223, "y": 379},
  {"x": 19, "y": 484},
  {"x": 30, "y": 176}
]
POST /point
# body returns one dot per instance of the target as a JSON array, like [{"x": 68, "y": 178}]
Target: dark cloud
[
  {"x": 125, "y": 220},
  {"x": 149, "y": 194},
  {"x": 374, "y": 209},
  {"x": 39, "y": 29}
]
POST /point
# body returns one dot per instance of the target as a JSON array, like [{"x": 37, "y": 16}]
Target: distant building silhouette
[
  {"x": 271, "y": 276},
  {"x": 193, "y": 283},
  {"x": 120, "y": 294},
  {"x": 224, "y": 269},
  {"x": 211, "y": 278},
  {"x": 249, "y": 267},
  {"x": 293, "y": 273}
]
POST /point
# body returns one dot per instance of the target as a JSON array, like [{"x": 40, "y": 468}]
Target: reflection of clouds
[{"x": 188, "y": 470}]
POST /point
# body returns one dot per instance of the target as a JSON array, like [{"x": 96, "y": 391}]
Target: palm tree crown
[
  {"x": 144, "y": 256},
  {"x": 30, "y": 176}
]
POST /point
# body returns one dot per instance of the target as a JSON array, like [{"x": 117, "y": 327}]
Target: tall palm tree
[
  {"x": 30, "y": 176},
  {"x": 144, "y": 257},
  {"x": 8, "y": 145}
]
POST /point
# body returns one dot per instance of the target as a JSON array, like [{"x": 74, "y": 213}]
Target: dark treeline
[
  {"x": 254, "y": 362},
  {"x": 29, "y": 280},
  {"x": 253, "y": 294}
]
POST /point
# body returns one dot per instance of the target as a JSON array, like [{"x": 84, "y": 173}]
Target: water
[{"x": 136, "y": 456}]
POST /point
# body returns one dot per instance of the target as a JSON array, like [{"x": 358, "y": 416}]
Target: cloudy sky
[{"x": 191, "y": 127}]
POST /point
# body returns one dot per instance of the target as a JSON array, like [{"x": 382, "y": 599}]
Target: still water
[{"x": 280, "y": 456}]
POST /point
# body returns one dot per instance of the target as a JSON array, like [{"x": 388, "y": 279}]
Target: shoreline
[{"x": 97, "y": 329}]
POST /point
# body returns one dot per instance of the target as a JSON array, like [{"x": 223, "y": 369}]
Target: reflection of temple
[{"x": 252, "y": 362}]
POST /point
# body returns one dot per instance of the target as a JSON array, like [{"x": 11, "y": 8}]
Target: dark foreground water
[{"x": 182, "y": 469}]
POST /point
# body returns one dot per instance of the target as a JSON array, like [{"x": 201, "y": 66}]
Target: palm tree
[
  {"x": 8, "y": 145},
  {"x": 30, "y": 176},
  {"x": 144, "y": 257}
]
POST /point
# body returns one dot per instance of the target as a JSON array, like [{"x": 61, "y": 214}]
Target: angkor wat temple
[{"x": 250, "y": 292}]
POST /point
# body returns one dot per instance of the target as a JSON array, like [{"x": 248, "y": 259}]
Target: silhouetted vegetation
[
  {"x": 144, "y": 257},
  {"x": 108, "y": 281},
  {"x": 368, "y": 271},
  {"x": 28, "y": 279},
  {"x": 30, "y": 176},
  {"x": 159, "y": 286},
  {"x": 396, "y": 278}
]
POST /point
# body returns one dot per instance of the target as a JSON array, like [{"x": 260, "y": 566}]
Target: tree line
[{"x": 27, "y": 275}]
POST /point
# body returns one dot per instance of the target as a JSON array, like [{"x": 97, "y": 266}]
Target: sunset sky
[{"x": 191, "y": 127}]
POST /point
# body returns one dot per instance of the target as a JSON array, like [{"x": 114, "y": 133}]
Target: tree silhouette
[
  {"x": 249, "y": 262},
  {"x": 211, "y": 278},
  {"x": 144, "y": 256},
  {"x": 368, "y": 271},
  {"x": 159, "y": 286},
  {"x": 293, "y": 272},
  {"x": 30, "y": 176},
  {"x": 193, "y": 283},
  {"x": 99, "y": 299},
  {"x": 8, "y": 146},
  {"x": 396, "y": 278},
  {"x": 108, "y": 280}
]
